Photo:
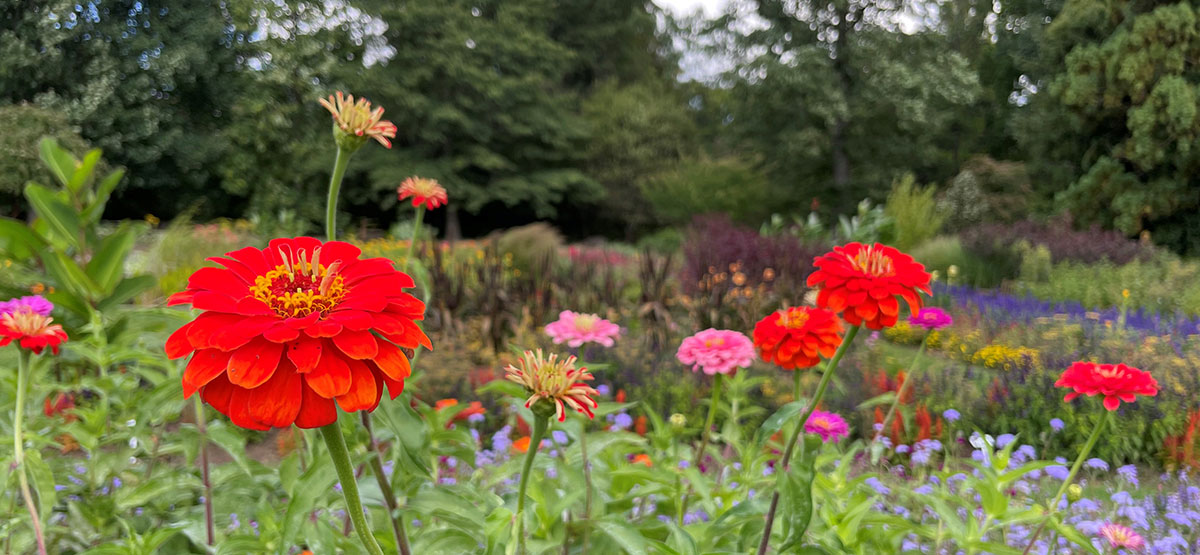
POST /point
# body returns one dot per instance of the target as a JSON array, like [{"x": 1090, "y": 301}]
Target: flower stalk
[
  {"x": 830, "y": 367},
  {"x": 340, "y": 163},
  {"x": 354, "y": 507},
  {"x": 23, "y": 372},
  {"x": 541, "y": 423},
  {"x": 1062, "y": 490},
  {"x": 416, "y": 232},
  {"x": 202, "y": 428}
]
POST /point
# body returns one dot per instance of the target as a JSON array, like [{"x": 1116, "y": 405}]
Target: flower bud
[
  {"x": 1074, "y": 493},
  {"x": 678, "y": 421}
]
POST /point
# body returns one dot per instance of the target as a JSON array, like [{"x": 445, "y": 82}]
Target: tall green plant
[{"x": 914, "y": 212}]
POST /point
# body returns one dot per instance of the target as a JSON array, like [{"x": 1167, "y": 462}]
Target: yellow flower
[{"x": 1125, "y": 293}]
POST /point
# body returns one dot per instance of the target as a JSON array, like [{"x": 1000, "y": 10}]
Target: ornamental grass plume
[
  {"x": 289, "y": 333},
  {"x": 575, "y": 329},
  {"x": 864, "y": 282},
  {"x": 423, "y": 192},
  {"x": 716, "y": 351},
  {"x": 797, "y": 337}
]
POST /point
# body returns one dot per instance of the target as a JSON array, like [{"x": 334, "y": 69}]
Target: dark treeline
[{"x": 574, "y": 111}]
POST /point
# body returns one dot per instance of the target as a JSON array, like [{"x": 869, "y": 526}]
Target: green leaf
[
  {"x": 69, "y": 275},
  {"x": 60, "y": 162},
  {"x": 624, "y": 535},
  {"x": 795, "y": 493},
  {"x": 18, "y": 241},
  {"x": 315, "y": 482},
  {"x": 95, "y": 210},
  {"x": 81, "y": 173},
  {"x": 776, "y": 421},
  {"x": 61, "y": 218},
  {"x": 1074, "y": 536},
  {"x": 229, "y": 440},
  {"x": 108, "y": 262},
  {"x": 878, "y": 400},
  {"x": 127, "y": 289},
  {"x": 43, "y": 482}
]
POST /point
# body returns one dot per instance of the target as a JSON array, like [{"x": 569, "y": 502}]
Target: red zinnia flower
[
  {"x": 31, "y": 331},
  {"x": 422, "y": 191},
  {"x": 862, "y": 283},
  {"x": 288, "y": 331},
  {"x": 1116, "y": 382},
  {"x": 798, "y": 337}
]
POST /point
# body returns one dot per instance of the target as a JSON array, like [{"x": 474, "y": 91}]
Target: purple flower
[
  {"x": 603, "y": 389},
  {"x": 877, "y": 486},
  {"x": 1003, "y": 440},
  {"x": 1056, "y": 424},
  {"x": 951, "y": 415},
  {"x": 34, "y": 303},
  {"x": 560, "y": 437},
  {"x": 1095, "y": 463},
  {"x": 1129, "y": 473},
  {"x": 1057, "y": 471},
  {"x": 931, "y": 318},
  {"x": 622, "y": 421}
]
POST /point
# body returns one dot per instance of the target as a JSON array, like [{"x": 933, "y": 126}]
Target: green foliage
[
  {"x": 19, "y": 154},
  {"x": 704, "y": 186},
  {"x": 530, "y": 246},
  {"x": 940, "y": 253},
  {"x": 1165, "y": 284},
  {"x": 914, "y": 213}
]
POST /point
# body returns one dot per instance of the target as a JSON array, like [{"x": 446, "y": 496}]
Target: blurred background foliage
[{"x": 620, "y": 119}]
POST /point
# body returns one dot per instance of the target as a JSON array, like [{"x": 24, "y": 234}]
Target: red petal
[
  {"x": 315, "y": 411},
  {"x": 394, "y": 387},
  {"x": 253, "y": 258},
  {"x": 277, "y": 402},
  {"x": 217, "y": 394},
  {"x": 356, "y": 344},
  {"x": 205, "y": 366},
  {"x": 239, "y": 330},
  {"x": 219, "y": 280},
  {"x": 364, "y": 391},
  {"x": 337, "y": 250},
  {"x": 367, "y": 268},
  {"x": 219, "y": 302},
  {"x": 410, "y": 337},
  {"x": 305, "y": 354},
  {"x": 281, "y": 333},
  {"x": 1111, "y": 403},
  {"x": 239, "y": 269},
  {"x": 331, "y": 376},
  {"x": 392, "y": 362},
  {"x": 239, "y": 409},
  {"x": 178, "y": 345},
  {"x": 369, "y": 303},
  {"x": 253, "y": 365},
  {"x": 324, "y": 328},
  {"x": 352, "y": 319},
  {"x": 182, "y": 297},
  {"x": 202, "y": 329},
  {"x": 382, "y": 286}
]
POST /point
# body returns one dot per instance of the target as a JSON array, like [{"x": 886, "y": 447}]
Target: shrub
[
  {"x": 1064, "y": 242},
  {"x": 530, "y": 245},
  {"x": 914, "y": 212},
  {"x": 725, "y": 185}
]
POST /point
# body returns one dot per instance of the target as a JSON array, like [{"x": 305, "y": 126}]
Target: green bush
[
  {"x": 914, "y": 212},
  {"x": 1165, "y": 284},
  {"x": 530, "y": 245},
  {"x": 729, "y": 186},
  {"x": 664, "y": 241}
]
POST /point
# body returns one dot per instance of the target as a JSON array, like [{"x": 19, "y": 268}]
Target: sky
[{"x": 687, "y": 7}]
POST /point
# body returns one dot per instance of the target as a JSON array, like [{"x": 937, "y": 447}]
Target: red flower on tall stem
[
  {"x": 422, "y": 191},
  {"x": 289, "y": 333},
  {"x": 798, "y": 337},
  {"x": 1116, "y": 382},
  {"x": 864, "y": 282}
]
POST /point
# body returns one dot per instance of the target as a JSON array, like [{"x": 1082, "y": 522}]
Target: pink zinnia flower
[
  {"x": 1122, "y": 537},
  {"x": 829, "y": 425},
  {"x": 716, "y": 351},
  {"x": 35, "y": 303},
  {"x": 931, "y": 318},
  {"x": 575, "y": 329}
]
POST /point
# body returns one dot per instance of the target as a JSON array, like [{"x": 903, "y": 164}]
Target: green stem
[
  {"x": 416, "y": 232},
  {"x": 354, "y": 508},
  {"x": 19, "y": 447},
  {"x": 1087, "y": 448},
  {"x": 587, "y": 484},
  {"x": 908, "y": 380},
  {"x": 385, "y": 487},
  {"x": 540, "y": 424},
  {"x": 202, "y": 428},
  {"x": 781, "y": 466},
  {"x": 704, "y": 435},
  {"x": 335, "y": 185}
]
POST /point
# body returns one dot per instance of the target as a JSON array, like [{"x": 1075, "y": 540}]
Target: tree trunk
[{"x": 453, "y": 231}]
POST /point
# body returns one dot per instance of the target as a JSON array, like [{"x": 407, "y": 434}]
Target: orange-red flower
[
  {"x": 797, "y": 337},
  {"x": 475, "y": 408},
  {"x": 357, "y": 119},
  {"x": 62, "y": 402},
  {"x": 521, "y": 444},
  {"x": 289, "y": 333},
  {"x": 642, "y": 459},
  {"x": 444, "y": 403},
  {"x": 31, "y": 331},
  {"x": 863, "y": 283},
  {"x": 423, "y": 191},
  {"x": 556, "y": 381},
  {"x": 1116, "y": 382}
]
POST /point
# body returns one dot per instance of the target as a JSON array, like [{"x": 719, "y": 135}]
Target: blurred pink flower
[
  {"x": 716, "y": 351},
  {"x": 829, "y": 425},
  {"x": 575, "y": 329},
  {"x": 931, "y": 318},
  {"x": 34, "y": 303},
  {"x": 1122, "y": 537}
]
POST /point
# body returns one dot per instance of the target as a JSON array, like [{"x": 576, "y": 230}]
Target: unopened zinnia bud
[
  {"x": 354, "y": 122},
  {"x": 1074, "y": 493},
  {"x": 678, "y": 421}
]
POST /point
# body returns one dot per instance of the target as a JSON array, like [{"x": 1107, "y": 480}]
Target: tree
[
  {"x": 20, "y": 157},
  {"x": 1125, "y": 104}
]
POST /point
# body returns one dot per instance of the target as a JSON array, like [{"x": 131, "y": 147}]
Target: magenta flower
[
  {"x": 1122, "y": 537},
  {"x": 931, "y": 318},
  {"x": 716, "y": 351},
  {"x": 35, "y": 303},
  {"x": 575, "y": 329},
  {"x": 829, "y": 425}
]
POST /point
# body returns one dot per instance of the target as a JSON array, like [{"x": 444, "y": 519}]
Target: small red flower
[
  {"x": 289, "y": 333},
  {"x": 61, "y": 403},
  {"x": 31, "y": 331},
  {"x": 863, "y": 283},
  {"x": 522, "y": 444},
  {"x": 423, "y": 191},
  {"x": 1116, "y": 382},
  {"x": 642, "y": 459},
  {"x": 798, "y": 337}
]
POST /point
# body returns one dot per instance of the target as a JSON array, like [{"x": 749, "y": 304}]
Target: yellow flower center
[
  {"x": 26, "y": 322},
  {"x": 297, "y": 289},
  {"x": 1109, "y": 373},
  {"x": 794, "y": 319},
  {"x": 872, "y": 262},
  {"x": 586, "y": 322}
]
